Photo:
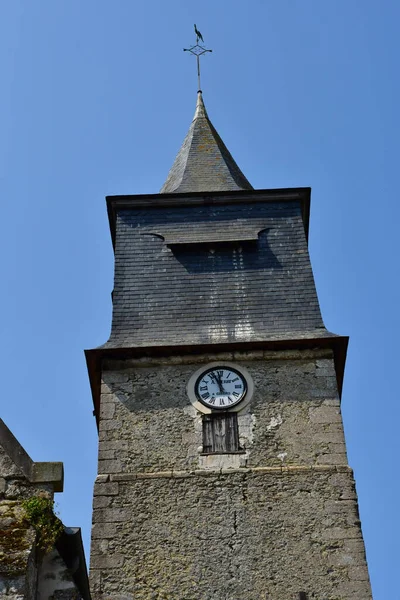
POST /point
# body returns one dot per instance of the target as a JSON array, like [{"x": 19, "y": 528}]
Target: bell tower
[{"x": 222, "y": 463}]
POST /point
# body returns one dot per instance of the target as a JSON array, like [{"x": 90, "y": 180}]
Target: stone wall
[
  {"x": 148, "y": 424},
  {"x": 266, "y": 524},
  {"x": 240, "y": 534},
  {"x": 18, "y": 564},
  {"x": 26, "y": 571}
]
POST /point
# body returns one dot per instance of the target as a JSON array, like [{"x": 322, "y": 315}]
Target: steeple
[
  {"x": 222, "y": 466},
  {"x": 204, "y": 164}
]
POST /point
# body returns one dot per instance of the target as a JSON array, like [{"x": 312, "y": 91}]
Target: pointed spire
[{"x": 204, "y": 164}]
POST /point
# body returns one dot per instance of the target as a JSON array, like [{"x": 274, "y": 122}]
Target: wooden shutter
[{"x": 220, "y": 433}]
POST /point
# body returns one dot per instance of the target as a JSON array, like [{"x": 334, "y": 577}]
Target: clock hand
[
  {"x": 217, "y": 380},
  {"x": 221, "y": 387}
]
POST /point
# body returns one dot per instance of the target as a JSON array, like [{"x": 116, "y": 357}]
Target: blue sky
[{"x": 96, "y": 99}]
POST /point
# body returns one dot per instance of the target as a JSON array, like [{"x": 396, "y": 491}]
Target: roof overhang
[
  {"x": 70, "y": 547},
  {"x": 94, "y": 358},
  {"x": 116, "y": 203}
]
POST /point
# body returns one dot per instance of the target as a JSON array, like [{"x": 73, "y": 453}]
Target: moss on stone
[
  {"x": 14, "y": 544},
  {"x": 39, "y": 513}
]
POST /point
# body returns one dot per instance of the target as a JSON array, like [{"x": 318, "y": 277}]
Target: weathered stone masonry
[
  {"x": 279, "y": 518},
  {"x": 27, "y": 572},
  {"x": 171, "y": 535}
]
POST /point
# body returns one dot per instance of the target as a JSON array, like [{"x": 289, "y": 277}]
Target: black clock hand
[
  {"x": 221, "y": 387},
  {"x": 217, "y": 380}
]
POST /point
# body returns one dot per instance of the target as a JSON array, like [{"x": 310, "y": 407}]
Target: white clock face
[{"x": 220, "y": 387}]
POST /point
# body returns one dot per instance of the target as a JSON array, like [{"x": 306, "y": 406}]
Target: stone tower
[{"x": 222, "y": 464}]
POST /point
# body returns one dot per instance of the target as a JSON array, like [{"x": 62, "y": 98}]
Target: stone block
[
  {"x": 329, "y": 436},
  {"x": 100, "y": 546},
  {"x": 95, "y": 580},
  {"x": 338, "y": 447},
  {"x": 342, "y": 482},
  {"x": 112, "y": 376},
  {"x": 355, "y": 546},
  {"x": 48, "y": 472},
  {"x": 115, "y": 445},
  {"x": 106, "y": 454},
  {"x": 324, "y": 393},
  {"x": 110, "y": 466},
  {"x": 332, "y": 459},
  {"x": 354, "y": 590},
  {"x": 103, "y": 530},
  {"x": 325, "y": 363},
  {"x": 101, "y": 479},
  {"x": 359, "y": 573},
  {"x": 107, "y": 410},
  {"x": 111, "y": 515},
  {"x": 338, "y": 506},
  {"x": 17, "y": 489},
  {"x": 106, "y": 489},
  {"x": 109, "y": 424},
  {"x": 325, "y": 414},
  {"x": 332, "y": 402},
  {"x": 337, "y": 533},
  {"x": 108, "y": 561},
  {"x": 102, "y": 501}
]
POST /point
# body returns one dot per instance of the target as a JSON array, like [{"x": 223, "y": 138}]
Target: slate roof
[
  {"x": 204, "y": 163},
  {"x": 211, "y": 261},
  {"x": 210, "y": 274}
]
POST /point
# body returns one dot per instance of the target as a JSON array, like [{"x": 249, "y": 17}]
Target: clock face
[{"x": 220, "y": 387}]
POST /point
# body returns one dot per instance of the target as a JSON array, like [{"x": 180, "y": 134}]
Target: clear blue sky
[{"x": 96, "y": 99}]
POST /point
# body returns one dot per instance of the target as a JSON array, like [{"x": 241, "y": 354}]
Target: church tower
[{"x": 222, "y": 464}]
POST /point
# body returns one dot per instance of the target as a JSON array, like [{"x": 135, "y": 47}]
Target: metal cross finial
[{"x": 197, "y": 50}]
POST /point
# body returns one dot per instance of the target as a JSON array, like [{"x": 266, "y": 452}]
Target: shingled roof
[
  {"x": 204, "y": 164},
  {"x": 218, "y": 272}
]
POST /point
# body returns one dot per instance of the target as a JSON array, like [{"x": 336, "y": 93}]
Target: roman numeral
[
  {"x": 238, "y": 386},
  {"x": 220, "y": 373},
  {"x": 221, "y": 402},
  {"x": 230, "y": 400},
  {"x": 205, "y": 396},
  {"x": 211, "y": 401},
  {"x": 236, "y": 394},
  {"x": 203, "y": 388},
  {"x": 236, "y": 379}
]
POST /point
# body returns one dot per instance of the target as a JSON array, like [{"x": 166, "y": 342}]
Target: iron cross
[{"x": 197, "y": 50}]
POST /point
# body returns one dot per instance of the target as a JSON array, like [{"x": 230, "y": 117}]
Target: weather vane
[{"x": 197, "y": 50}]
